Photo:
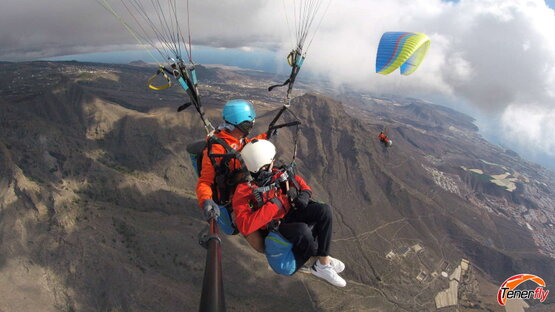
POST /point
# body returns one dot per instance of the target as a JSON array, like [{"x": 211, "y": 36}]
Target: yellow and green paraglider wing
[{"x": 401, "y": 49}]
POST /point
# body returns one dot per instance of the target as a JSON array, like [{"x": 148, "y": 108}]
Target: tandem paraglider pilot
[
  {"x": 218, "y": 163},
  {"x": 279, "y": 205}
]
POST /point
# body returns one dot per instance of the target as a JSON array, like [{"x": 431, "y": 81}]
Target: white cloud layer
[
  {"x": 496, "y": 55},
  {"x": 530, "y": 126}
]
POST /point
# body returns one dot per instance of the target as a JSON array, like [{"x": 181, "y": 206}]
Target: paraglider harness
[
  {"x": 187, "y": 78},
  {"x": 295, "y": 59},
  {"x": 287, "y": 174},
  {"x": 226, "y": 178},
  {"x": 384, "y": 138},
  {"x": 278, "y": 250}
]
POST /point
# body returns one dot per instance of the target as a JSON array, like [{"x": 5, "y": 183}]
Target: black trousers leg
[
  {"x": 307, "y": 243},
  {"x": 300, "y": 235}
]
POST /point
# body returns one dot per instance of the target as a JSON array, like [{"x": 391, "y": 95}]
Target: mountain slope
[{"x": 97, "y": 198}]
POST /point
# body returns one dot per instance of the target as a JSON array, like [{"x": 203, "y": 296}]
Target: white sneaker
[
  {"x": 326, "y": 271},
  {"x": 337, "y": 264}
]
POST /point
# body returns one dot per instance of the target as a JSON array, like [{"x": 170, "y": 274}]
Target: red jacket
[
  {"x": 249, "y": 219},
  {"x": 208, "y": 172},
  {"x": 383, "y": 137}
]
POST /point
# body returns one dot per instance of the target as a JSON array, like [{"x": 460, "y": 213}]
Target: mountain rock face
[{"x": 98, "y": 210}]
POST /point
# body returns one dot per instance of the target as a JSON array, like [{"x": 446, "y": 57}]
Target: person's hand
[
  {"x": 301, "y": 201},
  {"x": 211, "y": 209},
  {"x": 292, "y": 193}
]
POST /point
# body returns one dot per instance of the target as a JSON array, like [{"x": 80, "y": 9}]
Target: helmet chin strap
[
  {"x": 245, "y": 127},
  {"x": 237, "y": 132},
  {"x": 245, "y": 132}
]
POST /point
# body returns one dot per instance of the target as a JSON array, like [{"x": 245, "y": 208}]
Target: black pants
[{"x": 309, "y": 230}]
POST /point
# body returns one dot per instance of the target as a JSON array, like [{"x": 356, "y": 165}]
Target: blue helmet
[{"x": 238, "y": 111}]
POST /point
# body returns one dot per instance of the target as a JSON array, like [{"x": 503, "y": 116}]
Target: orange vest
[{"x": 208, "y": 172}]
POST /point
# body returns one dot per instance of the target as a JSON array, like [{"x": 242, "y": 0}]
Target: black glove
[
  {"x": 301, "y": 201},
  {"x": 292, "y": 194},
  {"x": 211, "y": 209}
]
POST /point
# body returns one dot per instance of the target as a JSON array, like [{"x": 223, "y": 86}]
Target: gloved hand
[
  {"x": 292, "y": 193},
  {"x": 301, "y": 201},
  {"x": 211, "y": 209}
]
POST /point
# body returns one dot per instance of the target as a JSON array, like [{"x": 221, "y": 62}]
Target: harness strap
[
  {"x": 287, "y": 175},
  {"x": 264, "y": 189},
  {"x": 293, "y": 180},
  {"x": 225, "y": 179},
  {"x": 187, "y": 78},
  {"x": 273, "y": 126},
  {"x": 295, "y": 60},
  {"x": 229, "y": 150},
  {"x": 295, "y": 123},
  {"x": 277, "y": 202},
  {"x": 288, "y": 124},
  {"x": 280, "y": 85}
]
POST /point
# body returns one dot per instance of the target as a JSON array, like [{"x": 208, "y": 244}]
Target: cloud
[
  {"x": 47, "y": 28},
  {"x": 492, "y": 53},
  {"x": 530, "y": 127},
  {"x": 34, "y": 29},
  {"x": 496, "y": 55}
]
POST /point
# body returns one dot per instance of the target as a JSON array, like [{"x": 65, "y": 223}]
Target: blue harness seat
[{"x": 279, "y": 252}]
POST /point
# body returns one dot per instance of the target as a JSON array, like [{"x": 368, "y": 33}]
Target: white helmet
[
  {"x": 258, "y": 153},
  {"x": 389, "y": 143}
]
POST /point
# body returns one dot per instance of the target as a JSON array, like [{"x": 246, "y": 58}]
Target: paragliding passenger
[
  {"x": 385, "y": 140},
  {"x": 221, "y": 169},
  {"x": 278, "y": 204}
]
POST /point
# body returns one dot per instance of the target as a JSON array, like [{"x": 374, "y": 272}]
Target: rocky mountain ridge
[{"x": 98, "y": 212}]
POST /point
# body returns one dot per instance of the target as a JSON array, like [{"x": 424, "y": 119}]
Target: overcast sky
[{"x": 494, "y": 57}]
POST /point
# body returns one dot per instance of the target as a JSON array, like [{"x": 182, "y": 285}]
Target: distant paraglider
[
  {"x": 404, "y": 50},
  {"x": 387, "y": 142}
]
